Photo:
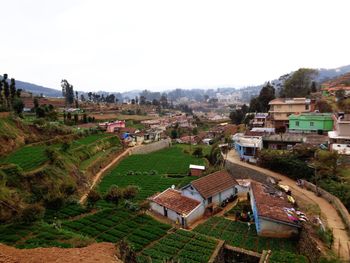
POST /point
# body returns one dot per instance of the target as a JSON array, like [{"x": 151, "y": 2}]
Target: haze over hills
[{"x": 324, "y": 74}]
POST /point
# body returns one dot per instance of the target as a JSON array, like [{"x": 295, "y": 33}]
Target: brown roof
[
  {"x": 173, "y": 200},
  {"x": 214, "y": 183},
  {"x": 270, "y": 205}
]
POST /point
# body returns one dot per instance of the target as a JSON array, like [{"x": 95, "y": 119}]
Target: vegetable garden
[
  {"x": 112, "y": 225},
  {"x": 181, "y": 246},
  {"x": 152, "y": 172},
  {"x": 238, "y": 235}
]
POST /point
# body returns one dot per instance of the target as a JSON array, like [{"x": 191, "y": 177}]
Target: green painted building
[{"x": 311, "y": 122}]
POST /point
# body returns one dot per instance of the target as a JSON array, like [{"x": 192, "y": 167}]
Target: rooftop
[
  {"x": 173, "y": 200},
  {"x": 214, "y": 183},
  {"x": 199, "y": 167},
  {"x": 311, "y": 116},
  {"x": 247, "y": 141},
  {"x": 271, "y": 203},
  {"x": 290, "y": 101}
]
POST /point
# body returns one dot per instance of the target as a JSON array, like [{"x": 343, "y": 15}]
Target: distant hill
[{"x": 324, "y": 75}]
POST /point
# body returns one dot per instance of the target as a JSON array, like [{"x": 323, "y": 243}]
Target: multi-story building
[
  {"x": 311, "y": 122},
  {"x": 282, "y": 108},
  {"x": 339, "y": 138}
]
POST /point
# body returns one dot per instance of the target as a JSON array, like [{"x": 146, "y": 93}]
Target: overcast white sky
[{"x": 124, "y": 45}]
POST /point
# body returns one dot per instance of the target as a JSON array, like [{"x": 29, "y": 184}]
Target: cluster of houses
[
  {"x": 290, "y": 122},
  {"x": 272, "y": 210}
]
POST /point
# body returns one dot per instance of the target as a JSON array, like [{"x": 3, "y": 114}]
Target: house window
[
  {"x": 297, "y": 123},
  {"x": 210, "y": 200},
  {"x": 307, "y": 107},
  {"x": 311, "y": 123}
]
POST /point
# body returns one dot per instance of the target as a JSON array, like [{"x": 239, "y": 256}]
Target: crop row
[
  {"x": 237, "y": 234},
  {"x": 181, "y": 246},
  {"x": 114, "y": 225}
]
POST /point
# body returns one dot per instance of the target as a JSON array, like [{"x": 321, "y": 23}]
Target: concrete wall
[
  {"x": 274, "y": 229},
  {"x": 195, "y": 215},
  {"x": 192, "y": 193},
  {"x": 152, "y": 147}
]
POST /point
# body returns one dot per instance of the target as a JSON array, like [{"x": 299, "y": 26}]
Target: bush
[
  {"x": 32, "y": 213},
  {"x": 130, "y": 191},
  {"x": 114, "y": 194},
  {"x": 198, "y": 152},
  {"x": 93, "y": 197}
]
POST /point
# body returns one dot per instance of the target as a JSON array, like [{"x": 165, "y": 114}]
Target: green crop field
[
  {"x": 152, "y": 172},
  {"x": 238, "y": 235},
  {"x": 89, "y": 139},
  {"x": 28, "y": 157},
  {"x": 38, "y": 235},
  {"x": 112, "y": 225},
  {"x": 181, "y": 246}
]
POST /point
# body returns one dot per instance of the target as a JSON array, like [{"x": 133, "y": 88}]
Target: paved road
[{"x": 341, "y": 238}]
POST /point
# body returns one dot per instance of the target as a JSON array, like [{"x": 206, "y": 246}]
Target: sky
[{"x": 117, "y": 46}]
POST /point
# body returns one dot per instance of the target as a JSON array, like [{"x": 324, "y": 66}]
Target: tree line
[{"x": 10, "y": 96}]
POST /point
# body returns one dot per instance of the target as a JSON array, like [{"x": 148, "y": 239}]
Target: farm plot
[
  {"x": 151, "y": 172},
  {"x": 238, "y": 235},
  {"x": 181, "y": 246},
  {"x": 66, "y": 212},
  {"x": 112, "y": 225},
  {"x": 39, "y": 235},
  {"x": 89, "y": 139},
  {"x": 28, "y": 157}
]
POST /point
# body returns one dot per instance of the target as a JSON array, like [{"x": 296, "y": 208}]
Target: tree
[
  {"x": 67, "y": 92},
  {"x": 12, "y": 89},
  {"x": 174, "y": 134},
  {"x": 36, "y": 103},
  {"x": 114, "y": 194},
  {"x": 323, "y": 106},
  {"x": 299, "y": 83},
  {"x": 313, "y": 87},
  {"x": 198, "y": 152},
  {"x": 40, "y": 112},
  {"x": 18, "y": 106},
  {"x": 340, "y": 95},
  {"x": 92, "y": 198},
  {"x": 215, "y": 157},
  {"x": 6, "y": 90},
  {"x": 126, "y": 252}
]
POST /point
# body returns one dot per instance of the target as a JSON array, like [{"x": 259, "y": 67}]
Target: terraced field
[
  {"x": 112, "y": 225},
  {"x": 28, "y": 157}
]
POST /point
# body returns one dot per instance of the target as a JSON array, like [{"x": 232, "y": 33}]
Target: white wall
[
  {"x": 192, "y": 194},
  {"x": 217, "y": 199},
  {"x": 157, "y": 208}
]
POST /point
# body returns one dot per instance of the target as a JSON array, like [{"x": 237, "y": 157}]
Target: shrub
[
  {"x": 114, "y": 194},
  {"x": 93, "y": 197},
  {"x": 130, "y": 191},
  {"x": 32, "y": 213},
  {"x": 198, "y": 152}
]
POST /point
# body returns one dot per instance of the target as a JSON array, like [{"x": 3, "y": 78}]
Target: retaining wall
[
  {"x": 308, "y": 246},
  {"x": 152, "y": 147},
  {"x": 333, "y": 200}
]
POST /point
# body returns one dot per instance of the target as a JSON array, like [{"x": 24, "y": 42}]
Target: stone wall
[
  {"x": 235, "y": 254},
  {"x": 152, "y": 147},
  {"x": 334, "y": 201}
]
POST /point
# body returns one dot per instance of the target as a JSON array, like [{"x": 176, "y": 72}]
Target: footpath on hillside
[
  {"x": 341, "y": 239},
  {"x": 101, "y": 172}
]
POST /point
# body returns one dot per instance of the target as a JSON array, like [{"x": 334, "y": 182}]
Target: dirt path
[
  {"x": 341, "y": 238},
  {"x": 101, "y": 172}
]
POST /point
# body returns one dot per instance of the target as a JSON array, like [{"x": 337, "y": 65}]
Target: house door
[
  {"x": 183, "y": 222},
  {"x": 165, "y": 212}
]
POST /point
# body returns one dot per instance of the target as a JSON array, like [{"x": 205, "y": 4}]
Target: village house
[
  {"x": 281, "y": 108},
  {"x": 112, "y": 127},
  {"x": 339, "y": 138},
  {"x": 259, "y": 119},
  {"x": 247, "y": 146},
  {"x": 190, "y": 203},
  {"x": 274, "y": 216},
  {"x": 311, "y": 122},
  {"x": 196, "y": 170}
]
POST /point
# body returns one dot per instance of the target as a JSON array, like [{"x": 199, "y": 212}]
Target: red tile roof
[
  {"x": 214, "y": 183},
  {"x": 173, "y": 200},
  {"x": 270, "y": 206}
]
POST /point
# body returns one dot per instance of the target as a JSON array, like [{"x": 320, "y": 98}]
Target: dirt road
[{"x": 341, "y": 238}]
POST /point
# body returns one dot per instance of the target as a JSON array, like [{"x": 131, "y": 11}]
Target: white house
[
  {"x": 178, "y": 208},
  {"x": 211, "y": 190},
  {"x": 191, "y": 202}
]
